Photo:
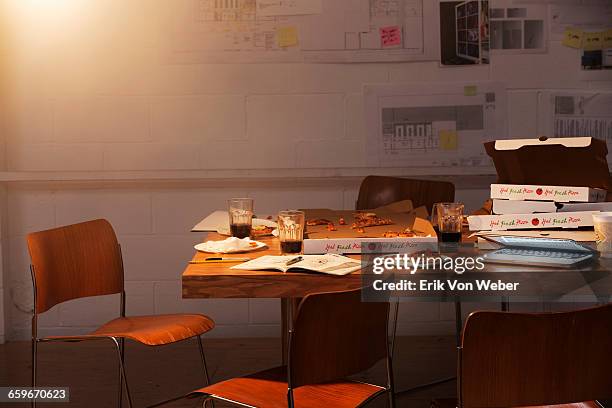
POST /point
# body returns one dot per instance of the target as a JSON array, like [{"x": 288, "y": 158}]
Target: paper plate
[{"x": 203, "y": 247}]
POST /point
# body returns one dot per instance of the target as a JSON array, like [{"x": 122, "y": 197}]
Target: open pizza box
[
  {"x": 569, "y": 161},
  {"x": 409, "y": 231}
]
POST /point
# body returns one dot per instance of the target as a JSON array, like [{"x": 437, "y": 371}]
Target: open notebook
[{"x": 332, "y": 264}]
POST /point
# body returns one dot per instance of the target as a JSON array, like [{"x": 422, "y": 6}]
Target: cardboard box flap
[
  {"x": 575, "y": 161},
  {"x": 514, "y": 144}
]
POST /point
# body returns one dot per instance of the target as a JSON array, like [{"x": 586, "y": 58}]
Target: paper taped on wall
[
  {"x": 441, "y": 125},
  {"x": 323, "y": 30},
  {"x": 566, "y": 114}
]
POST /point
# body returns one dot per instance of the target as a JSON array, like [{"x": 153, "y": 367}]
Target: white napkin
[{"x": 229, "y": 244}]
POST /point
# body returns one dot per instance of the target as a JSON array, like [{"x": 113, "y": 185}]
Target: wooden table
[{"x": 217, "y": 280}]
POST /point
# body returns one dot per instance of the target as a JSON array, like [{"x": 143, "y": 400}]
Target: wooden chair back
[
  {"x": 336, "y": 335},
  {"x": 377, "y": 191},
  {"x": 74, "y": 261},
  {"x": 526, "y": 359}
]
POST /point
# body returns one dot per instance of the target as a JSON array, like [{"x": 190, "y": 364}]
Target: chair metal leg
[
  {"x": 391, "y": 382},
  {"x": 122, "y": 372},
  {"x": 34, "y": 363},
  {"x": 394, "y": 327},
  {"x": 205, "y": 368},
  {"x": 122, "y": 357},
  {"x": 458, "y": 322}
]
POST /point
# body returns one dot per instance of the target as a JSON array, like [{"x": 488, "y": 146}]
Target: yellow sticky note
[
  {"x": 448, "y": 139},
  {"x": 287, "y": 36},
  {"x": 607, "y": 39},
  {"x": 572, "y": 38},
  {"x": 592, "y": 41},
  {"x": 470, "y": 90}
]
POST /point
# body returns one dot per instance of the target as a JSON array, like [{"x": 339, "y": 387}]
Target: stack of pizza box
[{"x": 519, "y": 206}]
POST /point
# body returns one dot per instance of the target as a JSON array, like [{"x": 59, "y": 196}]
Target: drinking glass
[
  {"x": 450, "y": 219},
  {"x": 291, "y": 231},
  {"x": 434, "y": 218},
  {"x": 603, "y": 232},
  {"x": 241, "y": 217}
]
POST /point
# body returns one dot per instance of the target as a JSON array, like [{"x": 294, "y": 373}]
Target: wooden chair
[
  {"x": 335, "y": 335},
  {"x": 535, "y": 359},
  {"x": 377, "y": 191},
  {"x": 84, "y": 260}
]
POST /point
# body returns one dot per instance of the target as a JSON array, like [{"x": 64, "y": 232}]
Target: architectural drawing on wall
[
  {"x": 517, "y": 28},
  {"x": 301, "y": 30},
  {"x": 464, "y": 32},
  {"x": 577, "y": 114},
  {"x": 437, "y": 125}
]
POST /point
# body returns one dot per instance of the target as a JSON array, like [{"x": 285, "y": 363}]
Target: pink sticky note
[{"x": 391, "y": 35}]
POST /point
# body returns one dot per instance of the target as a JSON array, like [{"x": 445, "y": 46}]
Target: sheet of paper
[
  {"x": 433, "y": 125},
  {"x": 287, "y": 36},
  {"x": 332, "y": 264},
  {"x": 571, "y": 113},
  {"x": 212, "y": 222},
  {"x": 271, "y": 8},
  {"x": 390, "y": 36}
]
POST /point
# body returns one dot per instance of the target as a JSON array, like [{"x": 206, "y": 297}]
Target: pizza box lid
[{"x": 569, "y": 161}]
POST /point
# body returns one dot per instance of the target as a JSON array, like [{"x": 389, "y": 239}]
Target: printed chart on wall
[
  {"x": 570, "y": 113},
  {"x": 434, "y": 125},
  {"x": 300, "y": 30}
]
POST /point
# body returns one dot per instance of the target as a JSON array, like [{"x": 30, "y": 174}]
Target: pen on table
[
  {"x": 294, "y": 260},
  {"x": 218, "y": 260}
]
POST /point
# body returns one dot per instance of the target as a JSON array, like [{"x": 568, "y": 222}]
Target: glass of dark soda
[
  {"x": 291, "y": 231},
  {"x": 450, "y": 220},
  {"x": 240, "y": 217}
]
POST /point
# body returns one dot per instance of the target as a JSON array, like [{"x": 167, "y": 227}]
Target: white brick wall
[{"x": 88, "y": 91}]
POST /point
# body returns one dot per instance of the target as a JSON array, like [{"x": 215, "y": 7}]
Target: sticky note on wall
[
  {"x": 572, "y": 38},
  {"x": 470, "y": 90},
  {"x": 448, "y": 139},
  {"x": 287, "y": 36},
  {"x": 592, "y": 41},
  {"x": 390, "y": 36},
  {"x": 607, "y": 39}
]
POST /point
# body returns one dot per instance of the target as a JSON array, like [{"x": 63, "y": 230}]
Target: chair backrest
[
  {"x": 336, "y": 335},
  {"x": 377, "y": 191},
  {"x": 75, "y": 261},
  {"x": 525, "y": 359}
]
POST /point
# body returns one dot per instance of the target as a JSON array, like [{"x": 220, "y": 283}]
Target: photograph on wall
[
  {"x": 464, "y": 32},
  {"x": 596, "y": 60}
]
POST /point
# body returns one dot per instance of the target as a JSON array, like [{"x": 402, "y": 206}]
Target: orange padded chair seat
[
  {"x": 153, "y": 330},
  {"x": 268, "y": 389},
  {"x": 452, "y": 402}
]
